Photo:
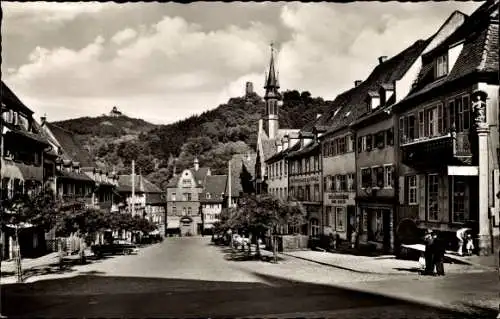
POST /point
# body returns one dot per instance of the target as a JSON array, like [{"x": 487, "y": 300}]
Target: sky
[{"x": 163, "y": 62}]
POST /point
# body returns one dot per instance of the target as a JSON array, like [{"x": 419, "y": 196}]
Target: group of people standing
[{"x": 435, "y": 248}]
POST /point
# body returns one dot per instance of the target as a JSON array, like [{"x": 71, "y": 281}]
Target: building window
[
  {"x": 380, "y": 139},
  {"x": 341, "y": 145},
  {"x": 351, "y": 183},
  {"x": 307, "y": 165},
  {"x": 208, "y": 195},
  {"x": 184, "y": 211},
  {"x": 376, "y": 229},
  {"x": 339, "y": 218},
  {"x": 442, "y": 65},
  {"x": 431, "y": 125},
  {"x": 189, "y": 211},
  {"x": 460, "y": 199},
  {"x": 173, "y": 197},
  {"x": 308, "y": 193},
  {"x": 281, "y": 168},
  {"x": 285, "y": 193},
  {"x": 433, "y": 197},
  {"x": 316, "y": 192},
  {"x": 342, "y": 183},
  {"x": 369, "y": 143},
  {"x": 460, "y": 113},
  {"x": 388, "y": 176},
  {"x": 286, "y": 168},
  {"x": 407, "y": 129},
  {"x": 378, "y": 174},
  {"x": 174, "y": 210},
  {"x": 366, "y": 177},
  {"x": 411, "y": 182},
  {"x": 186, "y": 182}
]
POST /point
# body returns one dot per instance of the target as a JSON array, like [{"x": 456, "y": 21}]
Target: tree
[{"x": 23, "y": 211}]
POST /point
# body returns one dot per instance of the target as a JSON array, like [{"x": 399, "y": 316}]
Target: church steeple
[
  {"x": 271, "y": 85},
  {"x": 272, "y": 97}
]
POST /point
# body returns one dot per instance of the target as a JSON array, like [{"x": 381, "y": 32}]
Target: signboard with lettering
[
  {"x": 304, "y": 179},
  {"x": 339, "y": 199}
]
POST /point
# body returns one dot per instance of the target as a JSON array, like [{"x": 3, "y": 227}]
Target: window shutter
[
  {"x": 359, "y": 144},
  {"x": 403, "y": 194},
  {"x": 369, "y": 142},
  {"x": 421, "y": 190}
]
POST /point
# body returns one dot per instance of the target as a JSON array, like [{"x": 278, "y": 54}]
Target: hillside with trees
[{"x": 214, "y": 136}]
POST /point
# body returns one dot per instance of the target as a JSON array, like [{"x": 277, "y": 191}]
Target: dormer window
[
  {"x": 208, "y": 195},
  {"x": 442, "y": 65},
  {"x": 373, "y": 100}
]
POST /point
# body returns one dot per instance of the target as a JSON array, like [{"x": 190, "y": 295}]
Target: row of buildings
[
  {"x": 195, "y": 197},
  {"x": 414, "y": 146},
  {"x": 37, "y": 155}
]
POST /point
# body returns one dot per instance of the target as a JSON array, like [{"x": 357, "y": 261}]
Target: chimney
[
  {"x": 43, "y": 119},
  {"x": 318, "y": 115},
  {"x": 196, "y": 164},
  {"x": 382, "y": 59},
  {"x": 248, "y": 89},
  {"x": 357, "y": 82}
]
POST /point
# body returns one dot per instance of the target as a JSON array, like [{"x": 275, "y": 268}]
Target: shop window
[
  {"x": 340, "y": 218},
  {"x": 460, "y": 191},
  {"x": 330, "y": 217},
  {"x": 376, "y": 225},
  {"x": 315, "y": 228}
]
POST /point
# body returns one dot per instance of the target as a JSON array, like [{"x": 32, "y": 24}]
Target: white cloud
[
  {"x": 176, "y": 67},
  {"x": 124, "y": 35},
  {"x": 51, "y": 11}
]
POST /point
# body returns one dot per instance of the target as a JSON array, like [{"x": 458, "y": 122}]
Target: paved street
[{"x": 186, "y": 277}]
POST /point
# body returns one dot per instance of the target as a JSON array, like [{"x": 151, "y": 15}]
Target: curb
[{"x": 343, "y": 268}]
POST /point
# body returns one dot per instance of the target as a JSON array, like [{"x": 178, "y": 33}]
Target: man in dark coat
[
  {"x": 428, "y": 254},
  {"x": 438, "y": 250}
]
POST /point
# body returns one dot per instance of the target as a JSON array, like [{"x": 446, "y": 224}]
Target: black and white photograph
[{"x": 208, "y": 159}]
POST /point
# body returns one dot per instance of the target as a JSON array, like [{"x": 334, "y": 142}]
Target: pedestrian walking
[
  {"x": 461, "y": 236},
  {"x": 428, "y": 254},
  {"x": 469, "y": 245},
  {"x": 438, "y": 251}
]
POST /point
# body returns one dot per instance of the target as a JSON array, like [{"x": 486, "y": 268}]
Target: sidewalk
[{"x": 383, "y": 265}]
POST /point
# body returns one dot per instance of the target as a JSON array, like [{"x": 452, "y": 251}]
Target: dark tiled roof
[
  {"x": 74, "y": 176},
  {"x": 284, "y": 153},
  {"x": 353, "y": 103},
  {"x": 306, "y": 150},
  {"x": 72, "y": 150},
  {"x": 479, "y": 52},
  {"x": 215, "y": 185},
  {"x": 155, "y": 199},
  {"x": 12, "y": 101},
  {"x": 125, "y": 184},
  {"x": 198, "y": 175}
]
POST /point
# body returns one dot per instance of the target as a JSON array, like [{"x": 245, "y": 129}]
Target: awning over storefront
[
  {"x": 173, "y": 224},
  {"x": 13, "y": 170}
]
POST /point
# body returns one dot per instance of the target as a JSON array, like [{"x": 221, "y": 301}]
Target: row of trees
[
  {"x": 260, "y": 215},
  {"x": 48, "y": 214}
]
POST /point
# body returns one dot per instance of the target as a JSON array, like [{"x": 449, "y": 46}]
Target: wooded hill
[{"x": 214, "y": 136}]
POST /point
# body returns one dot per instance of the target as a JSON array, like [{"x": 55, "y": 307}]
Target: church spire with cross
[{"x": 272, "y": 97}]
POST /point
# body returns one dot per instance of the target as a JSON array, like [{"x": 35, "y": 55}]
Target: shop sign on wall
[
  {"x": 307, "y": 179},
  {"x": 339, "y": 198}
]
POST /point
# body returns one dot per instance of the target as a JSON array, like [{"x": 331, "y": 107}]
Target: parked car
[{"x": 118, "y": 247}]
